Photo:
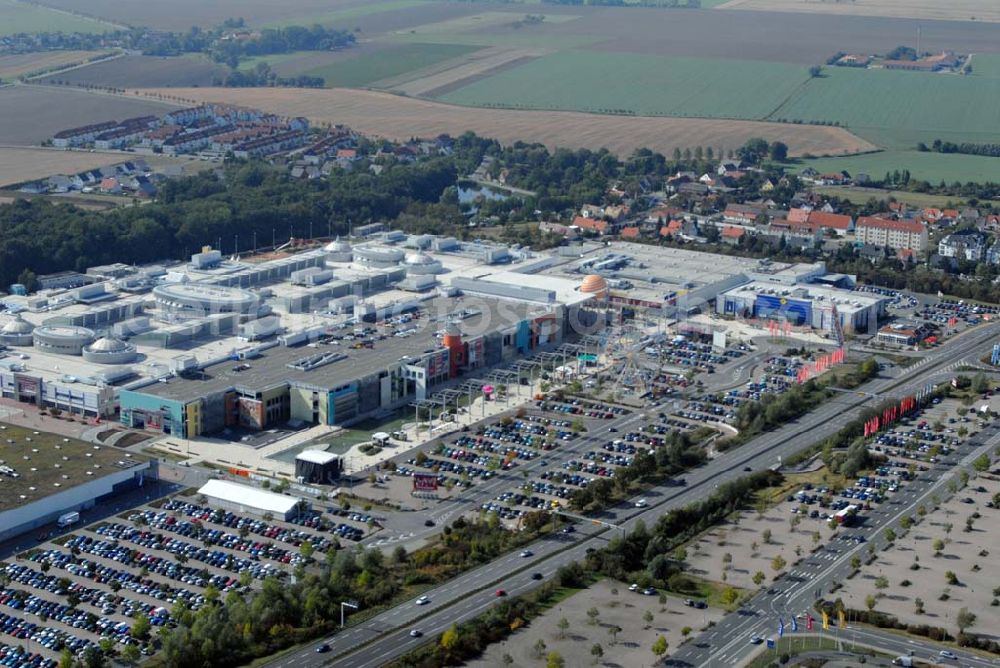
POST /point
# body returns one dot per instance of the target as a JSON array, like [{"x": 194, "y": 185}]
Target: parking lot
[{"x": 100, "y": 581}]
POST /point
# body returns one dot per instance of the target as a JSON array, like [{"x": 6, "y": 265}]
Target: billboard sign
[{"x": 425, "y": 482}]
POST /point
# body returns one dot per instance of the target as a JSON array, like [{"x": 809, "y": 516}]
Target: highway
[{"x": 468, "y": 595}]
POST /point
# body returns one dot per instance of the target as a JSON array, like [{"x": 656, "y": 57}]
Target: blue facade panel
[
  {"x": 148, "y": 411},
  {"x": 523, "y": 338},
  {"x": 795, "y": 311}
]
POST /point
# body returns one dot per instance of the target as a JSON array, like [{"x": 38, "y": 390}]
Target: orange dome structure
[{"x": 595, "y": 285}]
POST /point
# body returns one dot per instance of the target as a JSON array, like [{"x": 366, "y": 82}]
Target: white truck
[
  {"x": 906, "y": 661},
  {"x": 68, "y": 519}
]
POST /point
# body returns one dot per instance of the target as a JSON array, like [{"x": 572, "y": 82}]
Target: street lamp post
[{"x": 349, "y": 604}]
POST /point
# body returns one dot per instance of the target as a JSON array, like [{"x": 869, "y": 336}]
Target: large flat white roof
[
  {"x": 316, "y": 456},
  {"x": 249, "y": 496}
]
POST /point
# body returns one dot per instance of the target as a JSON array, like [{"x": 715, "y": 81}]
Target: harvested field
[
  {"x": 131, "y": 71},
  {"x": 20, "y": 164},
  {"x": 953, "y": 10},
  {"x": 18, "y": 17},
  {"x": 32, "y": 114},
  {"x": 26, "y": 164},
  {"x": 25, "y": 64},
  {"x": 454, "y": 74},
  {"x": 400, "y": 118}
]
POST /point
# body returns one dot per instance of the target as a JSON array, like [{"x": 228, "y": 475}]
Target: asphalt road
[{"x": 470, "y": 594}]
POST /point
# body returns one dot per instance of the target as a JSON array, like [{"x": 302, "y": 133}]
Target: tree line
[
  {"x": 966, "y": 148},
  {"x": 234, "y": 630}
]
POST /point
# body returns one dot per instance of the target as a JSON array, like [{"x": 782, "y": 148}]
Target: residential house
[
  {"x": 841, "y": 224},
  {"x": 674, "y": 183},
  {"x": 969, "y": 245},
  {"x": 874, "y": 231},
  {"x": 731, "y": 234},
  {"x": 993, "y": 254},
  {"x": 672, "y": 229},
  {"x": 591, "y": 225},
  {"x": 281, "y": 141},
  {"x": 34, "y": 188},
  {"x": 946, "y": 60},
  {"x": 742, "y": 214},
  {"x": 631, "y": 233},
  {"x": 60, "y": 183},
  {"x": 799, "y": 214},
  {"x": 81, "y": 135},
  {"x": 111, "y": 186}
]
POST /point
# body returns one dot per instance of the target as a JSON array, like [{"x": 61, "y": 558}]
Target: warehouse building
[{"x": 244, "y": 499}]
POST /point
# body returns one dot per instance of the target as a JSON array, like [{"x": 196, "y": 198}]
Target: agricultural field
[
  {"x": 953, "y": 10},
  {"x": 338, "y": 16},
  {"x": 398, "y": 117},
  {"x": 27, "y": 164},
  {"x": 132, "y": 71},
  {"x": 32, "y": 114},
  {"x": 16, "y": 16},
  {"x": 452, "y": 74},
  {"x": 26, "y": 64},
  {"x": 608, "y": 83},
  {"x": 712, "y": 34},
  {"x": 897, "y": 108},
  {"x": 368, "y": 69},
  {"x": 370, "y": 15},
  {"x": 933, "y": 167}
]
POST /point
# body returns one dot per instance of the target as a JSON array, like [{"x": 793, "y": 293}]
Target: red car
[{"x": 501, "y": 592}]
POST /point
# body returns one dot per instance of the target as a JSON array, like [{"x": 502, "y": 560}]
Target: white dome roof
[
  {"x": 418, "y": 258},
  {"x": 18, "y": 326},
  {"x": 337, "y": 246},
  {"x": 108, "y": 345}
]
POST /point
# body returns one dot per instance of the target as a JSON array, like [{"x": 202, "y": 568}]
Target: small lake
[{"x": 469, "y": 195}]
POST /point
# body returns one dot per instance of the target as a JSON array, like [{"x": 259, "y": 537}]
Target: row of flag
[
  {"x": 889, "y": 415},
  {"x": 841, "y": 622},
  {"x": 822, "y": 363}
]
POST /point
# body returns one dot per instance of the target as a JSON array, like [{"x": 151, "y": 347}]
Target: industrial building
[
  {"x": 42, "y": 477},
  {"x": 247, "y": 500}
]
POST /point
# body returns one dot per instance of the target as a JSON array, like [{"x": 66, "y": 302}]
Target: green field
[
  {"x": 334, "y": 16},
  {"x": 18, "y": 17},
  {"x": 384, "y": 63},
  {"x": 640, "y": 84},
  {"x": 896, "y": 109},
  {"x": 986, "y": 65},
  {"x": 933, "y": 167}
]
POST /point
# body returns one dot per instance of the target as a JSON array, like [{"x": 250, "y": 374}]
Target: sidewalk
[{"x": 419, "y": 434}]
